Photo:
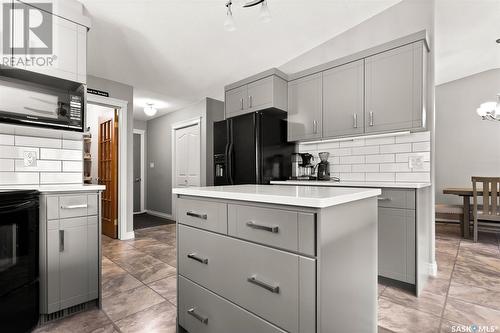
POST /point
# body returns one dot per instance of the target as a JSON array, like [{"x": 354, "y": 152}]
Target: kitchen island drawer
[
  {"x": 289, "y": 230},
  {"x": 201, "y": 311},
  {"x": 260, "y": 279},
  {"x": 67, "y": 206},
  {"x": 397, "y": 198},
  {"x": 207, "y": 215}
]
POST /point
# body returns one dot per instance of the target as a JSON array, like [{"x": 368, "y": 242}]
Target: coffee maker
[
  {"x": 296, "y": 165},
  {"x": 323, "y": 166},
  {"x": 306, "y": 168}
]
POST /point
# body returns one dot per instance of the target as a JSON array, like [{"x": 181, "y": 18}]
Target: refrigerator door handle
[{"x": 230, "y": 164}]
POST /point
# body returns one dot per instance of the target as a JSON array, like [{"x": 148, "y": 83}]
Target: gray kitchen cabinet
[
  {"x": 69, "y": 250},
  {"x": 394, "y": 89},
  {"x": 343, "y": 100},
  {"x": 263, "y": 93},
  {"x": 396, "y": 244},
  {"x": 305, "y": 108}
]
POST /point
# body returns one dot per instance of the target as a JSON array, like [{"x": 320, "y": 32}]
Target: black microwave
[{"x": 32, "y": 103}]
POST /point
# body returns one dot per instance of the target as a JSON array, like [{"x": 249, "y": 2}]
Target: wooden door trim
[
  {"x": 175, "y": 127},
  {"x": 125, "y": 208},
  {"x": 142, "y": 133}
]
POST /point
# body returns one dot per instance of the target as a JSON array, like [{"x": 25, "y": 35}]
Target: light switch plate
[
  {"x": 416, "y": 162},
  {"x": 29, "y": 157}
]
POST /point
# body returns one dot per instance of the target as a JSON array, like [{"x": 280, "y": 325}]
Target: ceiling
[
  {"x": 466, "y": 31},
  {"x": 176, "y": 52}
]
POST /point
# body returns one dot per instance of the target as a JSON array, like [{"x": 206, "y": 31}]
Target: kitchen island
[{"x": 262, "y": 258}]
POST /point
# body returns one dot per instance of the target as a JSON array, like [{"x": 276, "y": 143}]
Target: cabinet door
[
  {"x": 394, "y": 89},
  {"x": 396, "y": 244},
  {"x": 305, "y": 108},
  {"x": 73, "y": 261},
  {"x": 343, "y": 100},
  {"x": 260, "y": 94},
  {"x": 52, "y": 269},
  {"x": 93, "y": 257},
  {"x": 82, "y": 54},
  {"x": 236, "y": 101}
]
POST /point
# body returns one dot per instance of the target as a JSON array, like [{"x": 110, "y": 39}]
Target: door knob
[{"x": 138, "y": 179}]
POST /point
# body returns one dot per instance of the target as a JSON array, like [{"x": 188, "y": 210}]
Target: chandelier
[{"x": 264, "y": 15}]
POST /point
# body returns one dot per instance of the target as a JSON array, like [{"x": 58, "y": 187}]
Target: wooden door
[
  {"x": 305, "y": 108},
  {"x": 343, "y": 100},
  {"x": 187, "y": 156},
  {"x": 108, "y": 174}
]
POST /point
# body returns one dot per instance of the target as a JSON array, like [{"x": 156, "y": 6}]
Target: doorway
[
  {"x": 186, "y": 153},
  {"x": 139, "y": 171}
]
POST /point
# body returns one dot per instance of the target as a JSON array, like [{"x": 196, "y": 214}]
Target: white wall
[{"x": 465, "y": 145}]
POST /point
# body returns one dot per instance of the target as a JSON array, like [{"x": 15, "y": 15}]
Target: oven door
[{"x": 18, "y": 244}]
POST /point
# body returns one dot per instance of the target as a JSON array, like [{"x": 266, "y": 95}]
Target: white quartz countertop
[
  {"x": 350, "y": 184},
  {"x": 56, "y": 188},
  {"x": 303, "y": 196}
]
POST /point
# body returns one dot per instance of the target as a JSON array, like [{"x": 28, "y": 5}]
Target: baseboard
[
  {"x": 433, "y": 269},
  {"x": 128, "y": 235},
  {"x": 160, "y": 214}
]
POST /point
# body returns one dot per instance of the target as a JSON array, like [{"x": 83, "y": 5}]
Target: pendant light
[
  {"x": 490, "y": 110},
  {"x": 150, "y": 110},
  {"x": 229, "y": 22},
  {"x": 264, "y": 15}
]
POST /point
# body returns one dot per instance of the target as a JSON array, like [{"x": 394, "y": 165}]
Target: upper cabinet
[
  {"x": 255, "y": 94},
  {"x": 394, "y": 89},
  {"x": 65, "y": 35},
  {"x": 343, "y": 99},
  {"x": 305, "y": 108}
]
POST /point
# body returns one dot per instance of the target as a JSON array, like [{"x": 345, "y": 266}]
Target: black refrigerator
[{"x": 252, "y": 149}]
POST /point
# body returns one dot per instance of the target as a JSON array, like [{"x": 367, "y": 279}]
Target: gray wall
[
  {"x": 465, "y": 145},
  {"x": 159, "y": 133},
  {"x": 140, "y": 124},
  {"x": 124, "y": 92}
]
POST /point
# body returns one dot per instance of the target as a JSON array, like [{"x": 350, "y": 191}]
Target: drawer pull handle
[
  {"x": 200, "y": 216},
  {"x": 271, "y": 288},
  {"x": 201, "y": 318},
  {"x": 198, "y": 259},
  {"x": 254, "y": 225},
  {"x": 383, "y": 199},
  {"x": 74, "y": 206}
]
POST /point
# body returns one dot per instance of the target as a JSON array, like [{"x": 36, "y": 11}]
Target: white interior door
[{"x": 187, "y": 156}]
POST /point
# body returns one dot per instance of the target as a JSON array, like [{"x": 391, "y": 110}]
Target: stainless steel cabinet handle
[
  {"x": 250, "y": 101},
  {"x": 253, "y": 225},
  {"x": 74, "y": 206},
  {"x": 383, "y": 199},
  {"x": 242, "y": 103},
  {"x": 197, "y": 258},
  {"x": 371, "y": 118},
  {"x": 200, "y": 216},
  {"x": 267, "y": 286},
  {"x": 315, "y": 127},
  {"x": 201, "y": 318},
  {"x": 61, "y": 240},
  {"x": 355, "y": 120}
]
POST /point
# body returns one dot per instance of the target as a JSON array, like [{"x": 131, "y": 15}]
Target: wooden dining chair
[{"x": 489, "y": 212}]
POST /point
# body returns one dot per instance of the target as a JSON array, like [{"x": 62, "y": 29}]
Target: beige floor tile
[
  {"x": 166, "y": 287},
  {"x": 398, "y": 318},
  {"x": 468, "y": 313},
  {"x": 137, "y": 262},
  {"x": 154, "y": 273},
  {"x": 437, "y": 285},
  {"x": 119, "y": 283},
  {"x": 426, "y": 302},
  {"x": 129, "y": 302},
  {"x": 476, "y": 277},
  {"x": 475, "y": 295},
  {"x": 84, "y": 322},
  {"x": 160, "y": 318},
  {"x": 452, "y": 327},
  {"x": 106, "y": 329}
]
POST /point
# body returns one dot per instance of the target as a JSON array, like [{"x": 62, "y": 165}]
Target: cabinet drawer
[
  {"x": 397, "y": 198},
  {"x": 260, "y": 279},
  {"x": 203, "y": 214},
  {"x": 203, "y": 311},
  {"x": 73, "y": 206},
  {"x": 279, "y": 228}
]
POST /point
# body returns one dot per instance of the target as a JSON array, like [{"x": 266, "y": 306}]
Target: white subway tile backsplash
[
  {"x": 380, "y": 141},
  {"x": 61, "y": 178},
  {"x": 413, "y": 177},
  {"x": 352, "y": 177},
  {"x": 31, "y": 141},
  {"x": 421, "y": 146},
  {"x": 381, "y": 177},
  {"x": 337, "y": 168},
  {"x": 352, "y": 143},
  {"x": 368, "y": 150},
  {"x": 72, "y": 144},
  {"x": 19, "y": 178},
  {"x": 54, "y": 166},
  {"x": 403, "y": 158},
  {"x": 339, "y": 151},
  {"x": 394, "y": 167},
  {"x": 6, "y": 165},
  {"x": 16, "y": 152},
  {"x": 61, "y": 154},
  {"x": 352, "y": 159},
  {"x": 396, "y": 148},
  {"x": 6, "y": 139},
  {"x": 383, "y": 158},
  {"x": 330, "y": 145},
  {"x": 72, "y": 166},
  {"x": 414, "y": 137},
  {"x": 365, "y": 168}
]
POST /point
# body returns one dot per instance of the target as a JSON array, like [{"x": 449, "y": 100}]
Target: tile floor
[{"x": 139, "y": 288}]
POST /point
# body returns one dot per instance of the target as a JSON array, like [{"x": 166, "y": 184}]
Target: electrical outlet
[
  {"x": 151, "y": 165},
  {"x": 416, "y": 162},
  {"x": 29, "y": 157}
]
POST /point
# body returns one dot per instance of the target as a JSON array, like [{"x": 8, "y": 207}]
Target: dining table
[{"x": 466, "y": 193}]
